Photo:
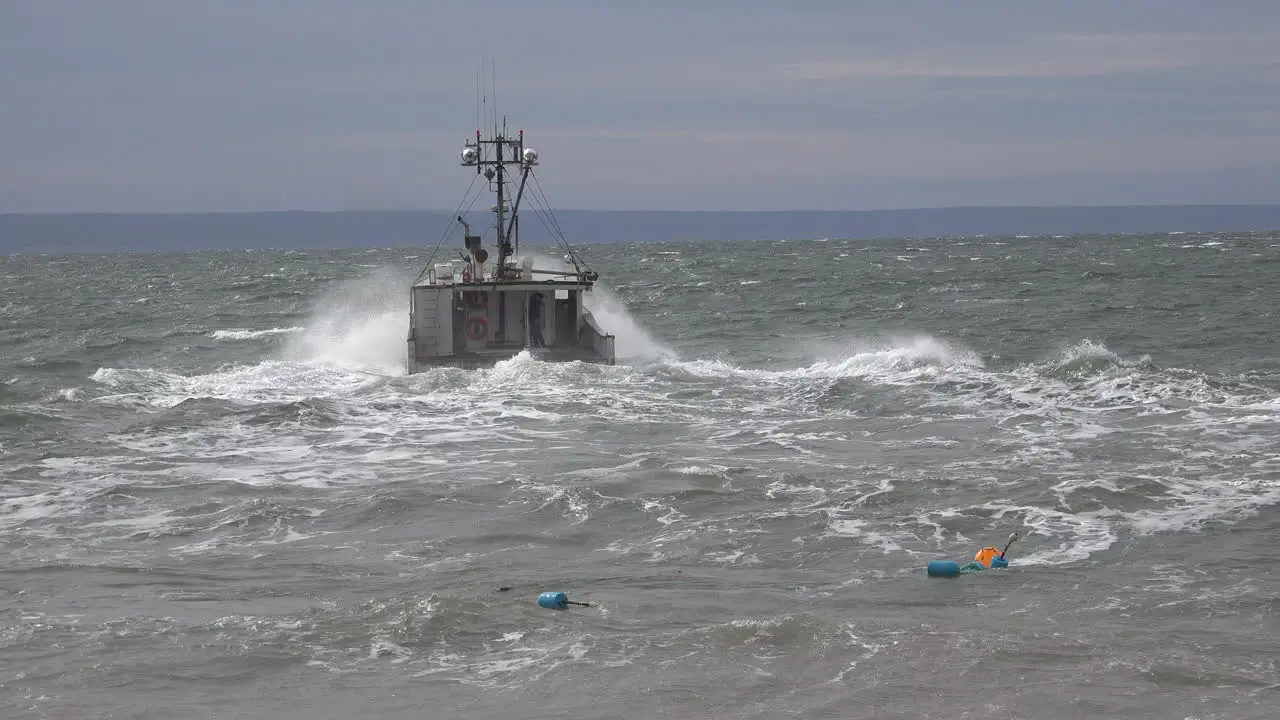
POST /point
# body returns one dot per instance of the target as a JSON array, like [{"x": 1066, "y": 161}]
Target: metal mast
[{"x": 491, "y": 156}]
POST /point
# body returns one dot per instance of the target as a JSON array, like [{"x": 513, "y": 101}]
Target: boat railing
[{"x": 595, "y": 338}]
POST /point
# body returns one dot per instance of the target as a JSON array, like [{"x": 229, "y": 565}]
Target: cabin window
[{"x": 476, "y": 299}]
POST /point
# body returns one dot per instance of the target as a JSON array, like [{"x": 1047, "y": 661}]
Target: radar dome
[
  {"x": 530, "y": 156},
  {"x": 469, "y": 156}
]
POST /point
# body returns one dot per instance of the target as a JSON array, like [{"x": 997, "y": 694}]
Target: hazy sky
[{"x": 177, "y": 105}]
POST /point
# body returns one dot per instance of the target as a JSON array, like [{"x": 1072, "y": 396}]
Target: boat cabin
[
  {"x": 475, "y": 323},
  {"x": 476, "y": 319}
]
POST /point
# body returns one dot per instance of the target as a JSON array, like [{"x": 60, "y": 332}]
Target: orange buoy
[{"x": 984, "y": 556}]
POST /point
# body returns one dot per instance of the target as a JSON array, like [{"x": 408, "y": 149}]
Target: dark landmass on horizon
[{"x": 102, "y": 233}]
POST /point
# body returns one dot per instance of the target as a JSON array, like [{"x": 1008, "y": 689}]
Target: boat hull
[
  {"x": 482, "y": 360},
  {"x": 476, "y": 325}
]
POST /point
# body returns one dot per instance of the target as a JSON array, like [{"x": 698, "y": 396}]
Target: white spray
[
  {"x": 359, "y": 324},
  {"x": 631, "y": 340}
]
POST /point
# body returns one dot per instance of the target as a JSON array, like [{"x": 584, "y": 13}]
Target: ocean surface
[{"x": 221, "y": 496}]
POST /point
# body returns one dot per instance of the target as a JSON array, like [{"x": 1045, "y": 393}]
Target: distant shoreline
[{"x": 105, "y": 233}]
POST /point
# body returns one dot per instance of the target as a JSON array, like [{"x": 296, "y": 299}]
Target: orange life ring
[{"x": 477, "y": 327}]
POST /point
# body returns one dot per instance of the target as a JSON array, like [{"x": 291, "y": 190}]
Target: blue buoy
[
  {"x": 998, "y": 562},
  {"x": 553, "y": 600},
  {"x": 943, "y": 568}
]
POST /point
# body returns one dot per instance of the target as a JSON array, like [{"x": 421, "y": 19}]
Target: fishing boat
[{"x": 471, "y": 312}]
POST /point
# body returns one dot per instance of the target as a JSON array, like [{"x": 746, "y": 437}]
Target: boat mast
[
  {"x": 503, "y": 248},
  {"x": 493, "y": 165}
]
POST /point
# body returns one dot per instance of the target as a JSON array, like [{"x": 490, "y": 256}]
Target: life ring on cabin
[
  {"x": 477, "y": 328},
  {"x": 466, "y": 275}
]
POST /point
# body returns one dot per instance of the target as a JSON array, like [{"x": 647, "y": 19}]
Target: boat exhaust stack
[{"x": 478, "y": 254}]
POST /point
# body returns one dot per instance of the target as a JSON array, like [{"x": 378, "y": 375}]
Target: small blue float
[
  {"x": 553, "y": 600},
  {"x": 943, "y": 568}
]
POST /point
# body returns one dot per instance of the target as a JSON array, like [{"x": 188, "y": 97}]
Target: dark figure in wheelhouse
[{"x": 535, "y": 321}]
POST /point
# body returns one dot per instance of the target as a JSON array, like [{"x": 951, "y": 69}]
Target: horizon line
[{"x": 653, "y": 210}]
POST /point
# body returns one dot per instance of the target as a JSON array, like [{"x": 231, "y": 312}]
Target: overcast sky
[{"x": 177, "y": 105}]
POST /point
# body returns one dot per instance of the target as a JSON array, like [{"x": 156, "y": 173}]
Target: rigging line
[
  {"x": 563, "y": 239},
  {"x": 537, "y": 186},
  {"x": 538, "y": 189},
  {"x": 550, "y": 214},
  {"x": 537, "y": 212},
  {"x": 475, "y": 200},
  {"x": 536, "y": 205},
  {"x": 450, "y": 227},
  {"x": 574, "y": 258},
  {"x": 544, "y": 215}
]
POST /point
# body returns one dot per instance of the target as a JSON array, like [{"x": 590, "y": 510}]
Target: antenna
[{"x": 484, "y": 94}]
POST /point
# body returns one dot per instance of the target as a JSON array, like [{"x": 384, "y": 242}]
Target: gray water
[{"x": 220, "y": 495}]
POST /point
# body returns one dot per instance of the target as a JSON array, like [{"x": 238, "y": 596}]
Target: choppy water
[{"x": 221, "y": 497}]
